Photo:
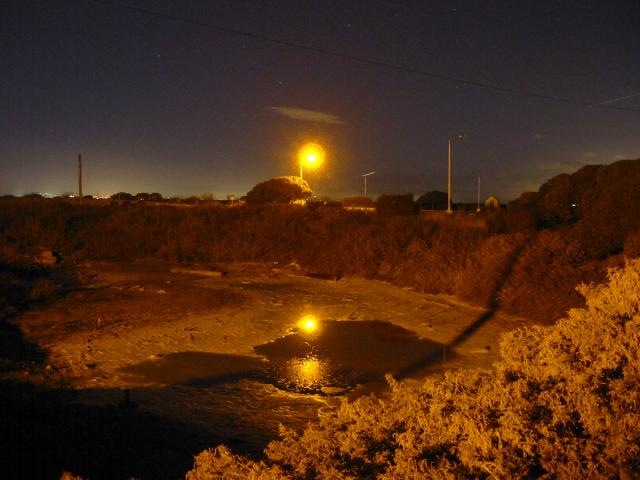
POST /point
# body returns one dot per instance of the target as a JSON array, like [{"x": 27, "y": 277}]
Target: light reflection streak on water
[
  {"x": 310, "y": 372},
  {"x": 308, "y": 324}
]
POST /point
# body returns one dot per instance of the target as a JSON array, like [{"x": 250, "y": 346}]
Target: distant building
[{"x": 492, "y": 202}]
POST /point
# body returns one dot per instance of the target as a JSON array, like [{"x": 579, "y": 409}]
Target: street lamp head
[{"x": 311, "y": 155}]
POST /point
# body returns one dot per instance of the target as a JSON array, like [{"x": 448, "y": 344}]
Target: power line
[
  {"x": 617, "y": 99},
  {"x": 366, "y": 61}
]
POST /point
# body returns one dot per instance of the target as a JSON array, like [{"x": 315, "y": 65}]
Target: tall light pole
[
  {"x": 478, "y": 209},
  {"x": 80, "y": 177},
  {"x": 459, "y": 136},
  {"x": 365, "y": 181}
]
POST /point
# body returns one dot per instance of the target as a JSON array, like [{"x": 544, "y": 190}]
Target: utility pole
[
  {"x": 80, "y": 176},
  {"x": 459, "y": 136},
  {"x": 478, "y": 209}
]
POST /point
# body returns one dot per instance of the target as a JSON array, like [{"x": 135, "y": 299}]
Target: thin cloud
[
  {"x": 305, "y": 115},
  {"x": 539, "y": 136},
  {"x": 567, "y": 167},
  {"x": 557, "y": 167}
]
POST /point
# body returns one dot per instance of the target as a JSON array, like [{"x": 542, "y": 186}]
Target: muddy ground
[{"x": 165, "y": 354}]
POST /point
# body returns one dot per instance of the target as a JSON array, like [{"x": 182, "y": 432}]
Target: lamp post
[
  {"x": 365, "y": 181},
  {"x": 459, "y": 136},
  {"x": 312, "y": 154}
]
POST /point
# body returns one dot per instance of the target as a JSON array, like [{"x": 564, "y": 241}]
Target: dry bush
[
  {"x": 221, "y": 463},
  {"x": 436, "y": 255},
  {"x": 563, "y": 403},
  {"x": 548, "y": 267},
  {"x": 488, "y": 267}
]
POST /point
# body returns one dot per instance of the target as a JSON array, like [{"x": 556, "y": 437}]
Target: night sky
[{"x": 158, "y": 104}]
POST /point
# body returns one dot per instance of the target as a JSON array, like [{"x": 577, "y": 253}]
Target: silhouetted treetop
[
  {"x": 434, "y": 200},
  {"x": 122, "y": 196},
  {"x": 280, "y": 190}
]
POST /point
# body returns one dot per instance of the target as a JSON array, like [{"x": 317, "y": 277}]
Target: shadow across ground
[{"x": 45, "y": 433}]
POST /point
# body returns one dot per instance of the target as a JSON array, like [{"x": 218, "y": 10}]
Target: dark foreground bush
[{"x": 563, "y": 403}]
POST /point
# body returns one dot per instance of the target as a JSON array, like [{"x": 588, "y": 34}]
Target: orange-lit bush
[{"x": 563, "y": 403}]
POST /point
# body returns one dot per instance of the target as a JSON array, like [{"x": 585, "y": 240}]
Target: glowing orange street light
[{"x": 312, "y": 155}]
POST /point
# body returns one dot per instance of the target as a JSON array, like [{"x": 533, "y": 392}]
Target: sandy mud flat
[{"x": 178, "y": 341}]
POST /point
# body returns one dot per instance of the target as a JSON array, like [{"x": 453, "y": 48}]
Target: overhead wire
[{"x": 367, "y": 61}]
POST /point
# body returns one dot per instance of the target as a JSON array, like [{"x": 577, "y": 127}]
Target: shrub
[
  {"x": 549, "y": 265},
  {"x": 280, "y": 190}
]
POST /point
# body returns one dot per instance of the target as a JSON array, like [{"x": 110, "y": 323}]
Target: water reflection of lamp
[
  {"x": 308, "y": 372},
  {"x": 308, "y": 324}
]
